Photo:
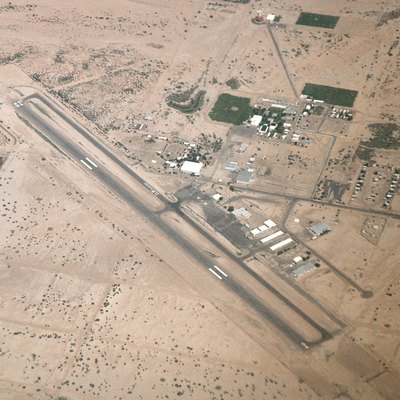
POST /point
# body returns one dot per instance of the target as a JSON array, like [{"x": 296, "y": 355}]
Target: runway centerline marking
[
  {"x": 213, "y": 272},
  {"x": 220, "y": 270},
  {"x": 86, "y": 164},
  {"x": 91, "y": 162}
]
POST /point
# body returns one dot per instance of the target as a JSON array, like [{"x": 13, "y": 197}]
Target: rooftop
[
  {"x": 241, "y": 212},
  {"x": 231, "y": 166},
  {"x": 320, "y": 228},
  {"x": 244, "y": 177},
  {"x": 303, "y": 269},
  {"x": 190, "y": 167},
  {"x": 255, "y": 120}
]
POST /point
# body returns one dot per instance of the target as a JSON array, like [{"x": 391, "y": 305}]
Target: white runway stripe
[
  {"x": 220, "y": 270},
  {"x": 213, "y": 272},
  {"x": 91, "y": 162},
  {"x": 86, "y": 164}
]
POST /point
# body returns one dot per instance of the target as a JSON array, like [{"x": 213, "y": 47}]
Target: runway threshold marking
[
  {"x": 213, "y": 272},
  {"x": 220, "y": 270},
  {"x": 91, "y": 162},
  {"x": 86, "y": 164}
]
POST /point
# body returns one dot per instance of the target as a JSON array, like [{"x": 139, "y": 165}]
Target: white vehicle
[
  {"x": 20, "y": 103},
  {"x": 16, "y": 104}
]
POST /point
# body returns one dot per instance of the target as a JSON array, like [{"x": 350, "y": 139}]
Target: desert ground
[{"x": 97, "y": 303}]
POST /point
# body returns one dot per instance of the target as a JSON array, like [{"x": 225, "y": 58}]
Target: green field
[
  {"x": 330, "y": 94},
  {"x": 231, "y": 109},
  {"x": 318, "y": 20}
]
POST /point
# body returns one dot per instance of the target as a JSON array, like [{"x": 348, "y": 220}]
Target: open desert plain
[{"x": 199, "y": 199}]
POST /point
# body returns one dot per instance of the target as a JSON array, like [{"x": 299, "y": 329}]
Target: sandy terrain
[{"x": 95, "y": 303}]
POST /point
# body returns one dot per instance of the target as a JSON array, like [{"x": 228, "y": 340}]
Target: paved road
[
  {"x": 115, "y": 185},
  {"x": 278, "y": 51},
  {"x": 295, "y": 197}
]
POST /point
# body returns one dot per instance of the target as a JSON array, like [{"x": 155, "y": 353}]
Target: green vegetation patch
[
  {"x": 330, "y": 94},
  {"x": 318, "y": 20},
  {"x": 365, "y": 153},
  {"x": 384, "y": 136},
  {"x": 191, "y": 105},
  {"x": 233, "y": 83},
  {"x": 231, "y": 109}
]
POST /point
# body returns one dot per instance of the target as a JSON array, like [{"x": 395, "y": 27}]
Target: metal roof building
[
  {"x": 269, "y": 224},
  {"x": 272, "y": 237},
  {"x": 241, "y": 212},
  {"x": 231, "y": 166},
  {"x": 255, "y": 231},
  {"x": 281, "y": 244},
  {"x": 190, "y": 167},
  {"x": 244, "y": 177},
  {"x": 319, "y": 228},
  {"x": 303, "y": 269}
]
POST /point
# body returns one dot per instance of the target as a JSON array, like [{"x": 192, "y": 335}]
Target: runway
[{"x": 120, "y": 189}]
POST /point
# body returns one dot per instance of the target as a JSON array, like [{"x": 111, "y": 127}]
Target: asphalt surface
[{"x": 116, "y": 186}]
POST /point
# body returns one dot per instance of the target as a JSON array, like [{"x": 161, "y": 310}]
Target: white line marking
[
  {"x": 213, "y": 272},
  {"x": 91, "y": 162},
  {"x": 220, "y": 270},
  {"x": 86, "y": 165}
]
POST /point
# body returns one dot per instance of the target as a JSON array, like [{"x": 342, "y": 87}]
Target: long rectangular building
[
  {"x": 271, "y": 237},
  {"x": 281, "y": 244}
]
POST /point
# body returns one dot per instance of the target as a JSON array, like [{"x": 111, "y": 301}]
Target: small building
[
  {"x": 273, "y": 126},
  {"x": 319, "y": 229},
  {"x": 189, "y": 167},
  {"x": 231, "y": 166},
  {"x": 297, "y": 259},
  {"x": 295, "y": 137},
  {"x": 270, "y": 18},
  {"x": 303, "y": 269},
  {"x": 244, "y": 177},
  {"x": 255, "y": 120},
  {"x": 241, "y": 212},
  {"x": 217, "y": 196},
  {"x": 171, "y": 164},
  {"x": 269, "y": 224},
  {"x": 262, "y": 228},
  {"x": 290, "y": 111},
  {"x": 255, "y": 232}
]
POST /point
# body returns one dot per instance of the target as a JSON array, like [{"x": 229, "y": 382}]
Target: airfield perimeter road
[{"x": 116, "y": 186}]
